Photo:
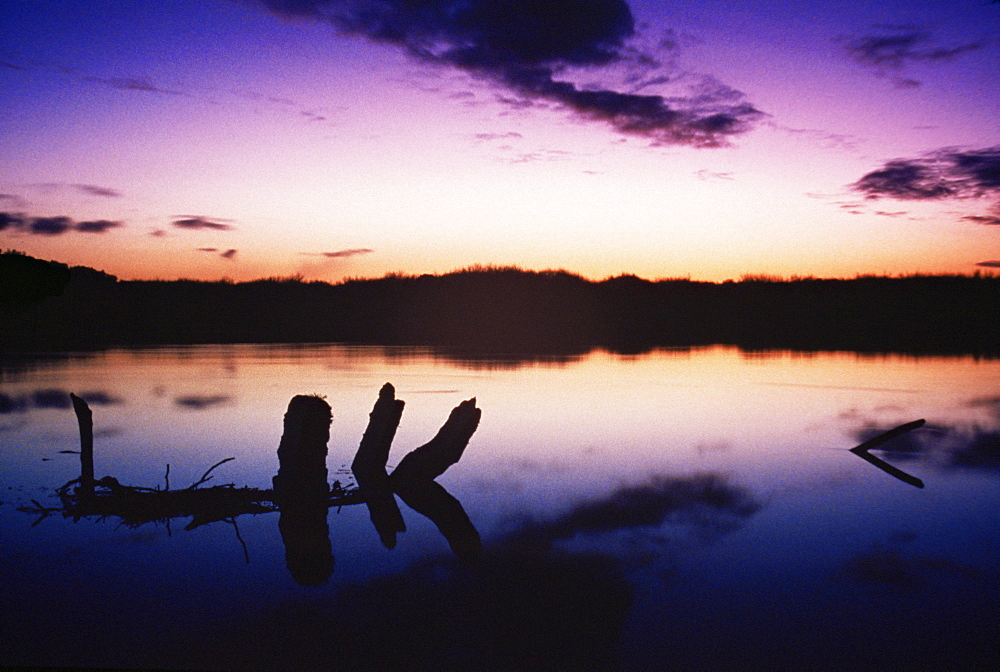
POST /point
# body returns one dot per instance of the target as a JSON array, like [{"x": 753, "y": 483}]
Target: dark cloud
[
  {"x": 196, "y": 222},
  {"x": 93, "y": 190},
  {"x": 50, "y": 226},
  {"x": 940, "y": 175},
  {"x": 989, "y": 264},
  {"x": 10, "y": 220},
  {"x": 894, "y": 48},
  {"x": 905, "y": 179},
  {"x": 53, "y": 226},
  {"x": 97, "y": 226},
  {"x": 988, "y": 220},
  {"x": 531, "y": 49},
  {"x": 228, "y": 254}
]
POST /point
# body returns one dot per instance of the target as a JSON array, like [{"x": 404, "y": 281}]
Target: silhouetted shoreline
[{"x": 47, "y": 306}]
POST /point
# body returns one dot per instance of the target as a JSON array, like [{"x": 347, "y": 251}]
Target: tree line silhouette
[{"x": 46, "y": 306}]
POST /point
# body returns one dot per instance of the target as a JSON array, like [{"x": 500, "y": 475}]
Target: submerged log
[
  {"x": 369, "y": 463},
  {"x": 430, "y": 460},
  {"x": 303, "y": 448},
  {"x": 302, "y": 492},
  {"x": 373, "y": 452},
  {"x": 413, "y": 478}
]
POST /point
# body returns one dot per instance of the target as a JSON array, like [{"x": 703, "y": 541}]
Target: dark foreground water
[{"x": 681, "y": 509}]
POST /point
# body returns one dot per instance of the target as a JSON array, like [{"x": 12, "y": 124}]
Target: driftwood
[{"x": 300, "y": 491}]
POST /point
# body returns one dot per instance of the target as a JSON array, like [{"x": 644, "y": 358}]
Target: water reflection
[
  {"x": 52, "y": 398},
  {"x": 694, "y": 509}
]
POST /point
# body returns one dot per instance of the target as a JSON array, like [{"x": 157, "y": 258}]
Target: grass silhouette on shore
[{"x": 503, "y": 309}]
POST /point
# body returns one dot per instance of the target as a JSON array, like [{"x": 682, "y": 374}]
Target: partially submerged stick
[
  {"x": 85, "y": 419},
  {"x": 862, "y": 452}
]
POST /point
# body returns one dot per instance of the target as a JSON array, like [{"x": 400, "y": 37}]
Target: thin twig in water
[{"x": 205, "y": 476}]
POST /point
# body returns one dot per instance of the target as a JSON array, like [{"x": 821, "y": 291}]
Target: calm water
[{"x": 682, "y": 508}]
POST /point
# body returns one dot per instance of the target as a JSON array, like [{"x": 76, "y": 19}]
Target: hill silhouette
[{"x": 501, "y": 309}]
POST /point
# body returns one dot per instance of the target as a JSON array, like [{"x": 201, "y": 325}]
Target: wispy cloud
[
  {"x": 491, "y": 137},
  {"x": 989, "y": 264},
  {"x": 195, "y": 222},
  {"x": 94, "y": 190},
  {"x": 142, "y": 84},
  {"x": 339, "y": 254},
  {"x": 225, "y": 254},
  {"x": 86, "y": 189},
  {"x": 890, "y": 52},
  {"x": 536, "y": 50},
  {"x": 713, "y": 176}
]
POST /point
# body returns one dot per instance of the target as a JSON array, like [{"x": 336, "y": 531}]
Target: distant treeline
[{"x": 47, "y": 306}]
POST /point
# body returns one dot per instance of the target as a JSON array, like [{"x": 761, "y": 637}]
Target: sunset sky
[{"x": 695, "y": 138}]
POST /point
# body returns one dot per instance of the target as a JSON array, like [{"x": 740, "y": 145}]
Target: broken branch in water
[{"x": 862, "y": 452}]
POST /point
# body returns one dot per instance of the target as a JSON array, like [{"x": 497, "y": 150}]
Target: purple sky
[{"x": 217, "y": 138}]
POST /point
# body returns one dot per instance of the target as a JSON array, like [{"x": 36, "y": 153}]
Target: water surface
[{"x": 682, "y": 508}]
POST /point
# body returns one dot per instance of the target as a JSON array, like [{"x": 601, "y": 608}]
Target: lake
[{"x": 681, "y": 508}]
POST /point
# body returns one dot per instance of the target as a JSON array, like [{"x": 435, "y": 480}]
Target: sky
[{"x": 706, "y": 139}]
